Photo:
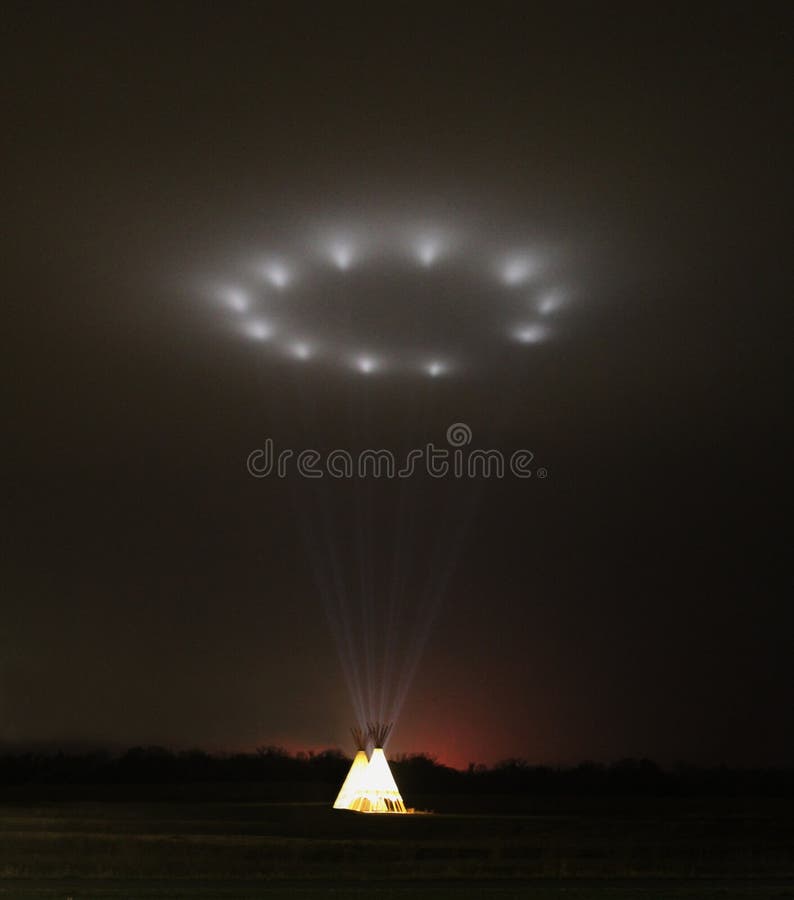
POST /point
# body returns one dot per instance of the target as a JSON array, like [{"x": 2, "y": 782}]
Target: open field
[{"x": 670, "y": 848}]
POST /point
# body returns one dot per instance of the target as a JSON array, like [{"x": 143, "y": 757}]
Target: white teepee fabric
[
  {"x": 377, "y": 791},
  {"x": 353, "y": 781}
]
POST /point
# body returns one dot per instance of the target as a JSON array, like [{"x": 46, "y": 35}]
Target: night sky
[{"x": 637, "y": 602}]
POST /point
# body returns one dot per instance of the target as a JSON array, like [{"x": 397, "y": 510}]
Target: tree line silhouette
[{"x": 416, "y": 774}]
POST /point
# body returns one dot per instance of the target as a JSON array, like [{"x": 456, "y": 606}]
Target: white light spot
[
  {"x": 277, "y": 274},
  {"x": 435, "y": 368},
  {"x": 549, "y": 303},
  {"x": 301, "y": 350},
  {"x": 235, "y": 299},
  {"x": 530, "y": 334},
  {"x": 516, "y": 270},
  {"x": 428, "y": 249},
  {"x": 342, "y": 254},
  {"x": 259, "y": 330},
  {"x": 366, "y": 364}
]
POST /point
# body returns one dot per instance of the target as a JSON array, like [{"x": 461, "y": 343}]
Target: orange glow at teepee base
[{"x": 370, "y": 786}]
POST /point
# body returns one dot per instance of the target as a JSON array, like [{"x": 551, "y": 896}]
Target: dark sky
[{"x": 636, "y": 602}]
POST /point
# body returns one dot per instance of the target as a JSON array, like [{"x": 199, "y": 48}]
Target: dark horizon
[
  {"x": 634, "y": 603},
  {"x": 275, "y": 766}
]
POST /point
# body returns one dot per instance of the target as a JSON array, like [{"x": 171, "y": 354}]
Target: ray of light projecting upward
[{"x": 376, "y": 304}]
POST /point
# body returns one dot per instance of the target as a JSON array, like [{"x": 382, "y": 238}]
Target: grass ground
[{"x": 646, "y": 850}]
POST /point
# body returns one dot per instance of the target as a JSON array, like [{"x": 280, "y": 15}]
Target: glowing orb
[
  {"x": 235, "y": 299},
  {"x": 516, "y": 270},
  {"x": 428, "y": 250},
  {"x": 435, "y": 368},
  {"x": 550, "y": 303},
  {"x": 529, "y": 334},
  {"x": 277, "y": 274},
  {"x": 259, "y": 330},
  {"x": 342, "y": 255}
]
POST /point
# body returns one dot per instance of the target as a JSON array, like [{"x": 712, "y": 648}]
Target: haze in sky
[{"x": 567, "y": 231}]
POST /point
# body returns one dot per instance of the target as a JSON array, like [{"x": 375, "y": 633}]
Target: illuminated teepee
[
  {"x": 377, "y": 791},
  {"x": 356, "y": 773}
]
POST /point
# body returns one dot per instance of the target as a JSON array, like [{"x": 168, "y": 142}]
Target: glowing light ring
[{"x": 428, "y": 249}]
